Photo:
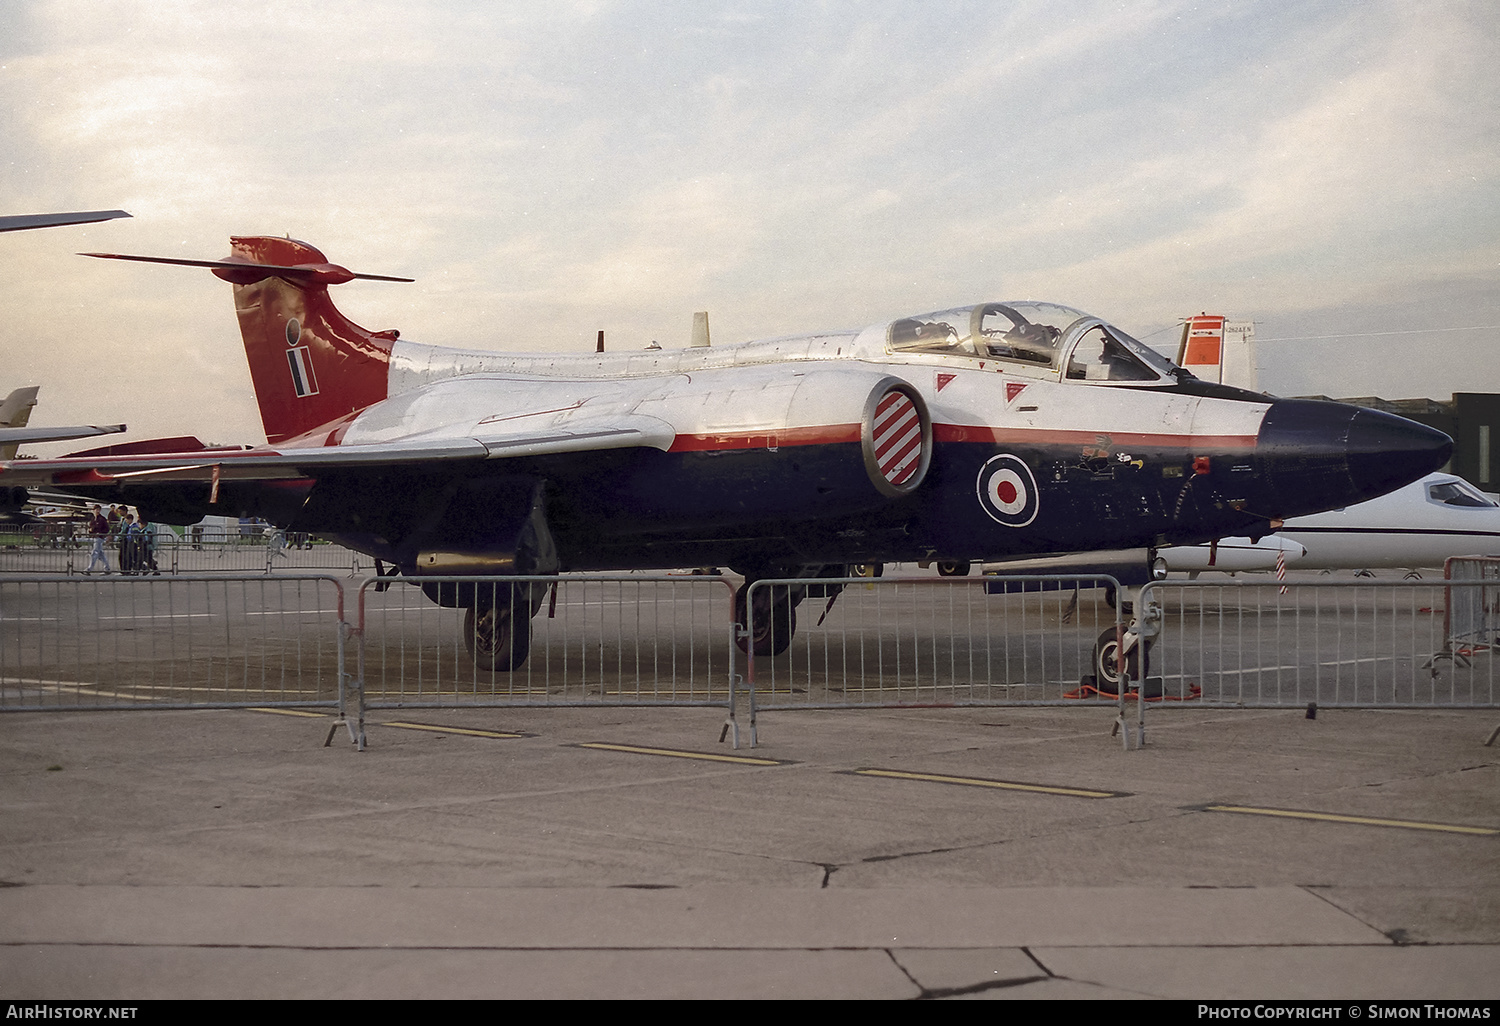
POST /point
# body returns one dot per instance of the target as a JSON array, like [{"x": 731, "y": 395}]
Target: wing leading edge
[{"x": 282, "y": 463}]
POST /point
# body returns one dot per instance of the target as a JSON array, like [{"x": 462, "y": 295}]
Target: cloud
[{"x": 545, "y": 171}]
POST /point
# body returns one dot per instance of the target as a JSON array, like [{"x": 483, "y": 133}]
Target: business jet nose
[{"x": 1322, "y": 455}]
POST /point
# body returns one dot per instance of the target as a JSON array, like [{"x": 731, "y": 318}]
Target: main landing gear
[
  {"x": 497, "y": 627},
  {"x": 773, "y": 619}
]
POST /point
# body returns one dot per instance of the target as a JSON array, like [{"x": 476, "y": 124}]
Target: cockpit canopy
[{"x": 1042, "y": 338}]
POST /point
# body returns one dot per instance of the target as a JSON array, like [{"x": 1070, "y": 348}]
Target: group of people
[{"x": 131, "y": 536}]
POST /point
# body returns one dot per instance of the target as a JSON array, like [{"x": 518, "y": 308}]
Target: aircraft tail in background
[{"x": 1219, "y": 350}]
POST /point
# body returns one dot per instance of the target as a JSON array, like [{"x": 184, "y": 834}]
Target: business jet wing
[
  {"x": 15, "y": 413},
  {"x": 15, "y": 436},
  {"x": 22, "y": 222}
]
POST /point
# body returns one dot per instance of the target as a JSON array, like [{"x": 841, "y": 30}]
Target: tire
[
  {"x": 1106, "y": 662},
  {"x": 496, "y": 637},
  {"x": 953, "y": 568},
  {"x": 774, "y": 624}
]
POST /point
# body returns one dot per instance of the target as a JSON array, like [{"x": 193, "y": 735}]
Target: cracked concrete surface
[{"x": 229, "y": 854}]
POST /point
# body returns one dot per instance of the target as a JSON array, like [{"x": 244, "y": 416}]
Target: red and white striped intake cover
[{"x": 898, "y": 441}]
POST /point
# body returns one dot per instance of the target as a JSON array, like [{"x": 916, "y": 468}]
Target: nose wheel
[{"x": 1107, "y": 660}]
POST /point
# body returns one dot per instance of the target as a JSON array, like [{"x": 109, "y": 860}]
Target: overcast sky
[{"x": 548, "y": 170}]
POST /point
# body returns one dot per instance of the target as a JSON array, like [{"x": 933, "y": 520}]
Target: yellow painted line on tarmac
[
  {"x": 287, "y": 712},
  {"x": 76, "y": 688},
  {"x": 1329, "y": 817},
  {"x": 678, "y": 754},
  {"x": 440, "y": 729},
  {"x": 1003, "y": 785}
]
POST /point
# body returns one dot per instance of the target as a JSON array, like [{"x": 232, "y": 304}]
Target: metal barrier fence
[
  {"x": 935, "y": 642},
  {"x": 171, "y": 642},
  {"x": 1471, "y": 614},
  {"x": 595, "y": 640},
  {"x": 1330, "y": 644},
  {"x": 171, "y": 554},
  {"x": 224, "y": 640}
]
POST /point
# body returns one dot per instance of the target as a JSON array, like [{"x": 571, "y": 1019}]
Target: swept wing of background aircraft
[
  {"x": 15, "y": 409},
  {"x": 23, "y": 222},
  {"x": 999, "y": 428},
  {"x": 15, "y": 412}
]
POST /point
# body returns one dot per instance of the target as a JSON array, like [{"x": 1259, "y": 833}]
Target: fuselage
[
  {"x": 978, "y": 433},
  {"x": 760, "y": 455}
]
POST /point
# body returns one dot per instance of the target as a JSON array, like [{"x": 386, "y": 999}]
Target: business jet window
[
  {"x": 1099, "y": 356},
  {"x": 1459, "y": 493}
]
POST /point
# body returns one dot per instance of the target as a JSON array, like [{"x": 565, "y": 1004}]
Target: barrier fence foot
[{"x": 1489, "y": 741}]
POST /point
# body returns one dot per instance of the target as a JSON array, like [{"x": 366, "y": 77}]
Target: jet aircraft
[{"x": 970, "y": 433}]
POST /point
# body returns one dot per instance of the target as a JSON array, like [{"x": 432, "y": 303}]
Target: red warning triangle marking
[
  {"x": 943, "y": 379},
  {"x": 1013, "y": 389}
]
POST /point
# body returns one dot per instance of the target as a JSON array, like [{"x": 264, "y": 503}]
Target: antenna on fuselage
[
  {"x": 700, "y": 329},
  {"x": 599, "y": 347}
]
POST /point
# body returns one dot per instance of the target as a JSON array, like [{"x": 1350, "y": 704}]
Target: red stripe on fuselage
[
  {"x": 89, "y": 471},
  {"x": 829, "y": 435},
  {"x": 1117, "y": 439}
]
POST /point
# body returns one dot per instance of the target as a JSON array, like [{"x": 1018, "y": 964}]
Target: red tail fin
[{"x": 311, "y": 366}]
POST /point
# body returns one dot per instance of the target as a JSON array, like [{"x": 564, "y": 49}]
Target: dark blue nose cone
[{"x": 1321, "y": 455}]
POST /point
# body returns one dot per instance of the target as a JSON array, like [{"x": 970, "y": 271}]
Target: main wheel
[
  {"x": 1107, "y": 662},
  {"x": 498, "y": 636},
  {"x": 774, "y": 622},
  {"x": 953, "y": 568}
]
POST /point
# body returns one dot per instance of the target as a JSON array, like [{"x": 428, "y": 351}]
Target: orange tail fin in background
[{"x": 1219, "y": 350}]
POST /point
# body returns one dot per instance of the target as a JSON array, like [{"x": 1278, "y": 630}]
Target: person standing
[
  {"x": 129, "y": 537},
  {"x": 147, "y": 547},
  {"x": 98, "y": 531}
]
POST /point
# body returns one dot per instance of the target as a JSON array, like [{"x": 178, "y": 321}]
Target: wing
[
  {"x": 17, "y": 435},
  {"x": 21, "y": 222},
  {"x": 435, "y": 425}
]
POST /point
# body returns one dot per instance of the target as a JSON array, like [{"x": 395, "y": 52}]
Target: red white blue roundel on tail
[
  {"x": 897, "y": 438},
  {"x": 1007, "y": 491}
]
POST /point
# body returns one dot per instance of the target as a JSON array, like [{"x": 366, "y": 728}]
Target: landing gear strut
[
  {"x": 1107, "y": 659},
  {"x": 773, "y": 622}
]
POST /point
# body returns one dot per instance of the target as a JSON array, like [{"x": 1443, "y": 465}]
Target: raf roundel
[
  {"x": 293, "y": 331},
  {"x": 1007, "y": 491}
]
